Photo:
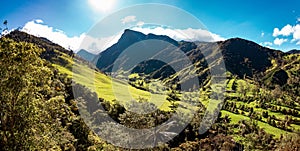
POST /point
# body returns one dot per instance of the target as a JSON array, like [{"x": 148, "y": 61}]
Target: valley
[{"x": 261, "y": 94}]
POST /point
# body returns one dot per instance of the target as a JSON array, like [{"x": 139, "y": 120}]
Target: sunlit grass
[
  {"x": 235, "y": 118},
  {"x": 109, "y": 89},
  {"x": 117, "y": 89}
]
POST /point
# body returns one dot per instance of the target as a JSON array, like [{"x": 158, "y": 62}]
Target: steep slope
[
  {"x": 82, "y": 71},
  {"x": 129, "y": 37},
  {"x": 44, "y": 43},
  {"x": 263, "y": 83},
  {"x": 241, "y": 57},
  {"x": 275, "y": 110},
  {"x": 53, "y": 53}
]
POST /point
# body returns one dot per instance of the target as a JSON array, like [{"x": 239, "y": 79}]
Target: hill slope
[
  {"x": 242, "y": 57},
  {"x": 254, "y": 109}
]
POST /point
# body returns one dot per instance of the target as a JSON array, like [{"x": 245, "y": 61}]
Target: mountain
[
  {"x": 294, "y": 51},
  {"x": 268, "y": 111},
  {"x": 241, "y": 57},
  {"x": 51, "y": 48},
  {"x": 128, "y": 38},
  {"x": 53, "y": 53},
  {"x": 86, "y": 55}
]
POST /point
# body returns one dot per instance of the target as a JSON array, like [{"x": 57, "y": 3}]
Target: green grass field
[
  {"x": 111, "y": 89},
  {"x": 235, "y": 118}
]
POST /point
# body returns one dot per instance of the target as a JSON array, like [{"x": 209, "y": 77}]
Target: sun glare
[{"x": 102, "y": 5}]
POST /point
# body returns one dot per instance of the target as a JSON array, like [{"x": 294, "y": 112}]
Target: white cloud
[
  {"x": 288, "y": 30},
  {"x": 276, "y": 32},
  {"x": 128, "y": 19},
  {"x": 285, "y": 31},
  {"x": 267, "y": 43},
  {"x": 93, "y": 45},
  {"x": 140, "y": 23},
  {"x": 296, "y": 34},
  {"x": 57, "y": 36},
  {"x": 298, "y": 19},
  {"x": 262, "y": 34},
  {"x": 279, "y": 41},
  {"x": 96, "y": 45},
  {"x": 188, "y": 34}
]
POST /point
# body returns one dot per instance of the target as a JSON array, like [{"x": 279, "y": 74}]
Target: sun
[{"x": 102, "y": 5}]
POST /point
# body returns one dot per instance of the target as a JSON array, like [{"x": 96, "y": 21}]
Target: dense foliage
[{"x": 36, "y": 103}]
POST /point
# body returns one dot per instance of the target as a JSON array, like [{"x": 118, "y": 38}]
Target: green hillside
[
  {"x": 261, "y": 108},
  {"x": 240, "y": 93},
  {"x": 102, "y": 85},
  {"x": 271, "y": 105}
]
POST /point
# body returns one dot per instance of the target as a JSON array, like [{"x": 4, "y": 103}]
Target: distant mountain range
[
  {"x": 242, "y": 57},
  {"x": 261, "y": 93}
]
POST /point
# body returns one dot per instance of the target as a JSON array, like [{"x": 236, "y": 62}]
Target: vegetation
[
  {"x": 40, "y": 112},
  {"x": 37, "y": 110}
]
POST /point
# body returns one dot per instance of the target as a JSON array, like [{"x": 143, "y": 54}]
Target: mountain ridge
[
  {"x": 240, "y": 55},
  {"x": 129, "y": 37},
  {"x": 264, "y": 111}
]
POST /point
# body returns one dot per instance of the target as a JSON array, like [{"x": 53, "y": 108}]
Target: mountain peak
[
  {"x": 128, "y": 38},
  {"x": 132, "y": 36},
  {"x": 129, "y": 31},
  {"x": 240, "y": 41}
]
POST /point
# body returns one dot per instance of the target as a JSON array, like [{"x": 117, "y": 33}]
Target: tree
[
  {"x": 173, "y": 98},
  {"x": 289, "y": 142},
  {"x": 265, "y": 114},
  {"x": 277, "y": 93},
  {"x": 242, "y": 89},
  {"x": 145, "y": 122},
  {"x": 28, "y": 120}
]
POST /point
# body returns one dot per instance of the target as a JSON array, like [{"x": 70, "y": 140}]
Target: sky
[{"x": 270, "y": 23}]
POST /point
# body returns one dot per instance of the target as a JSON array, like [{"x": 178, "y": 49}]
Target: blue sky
[{"x": 253, "y": 20}]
